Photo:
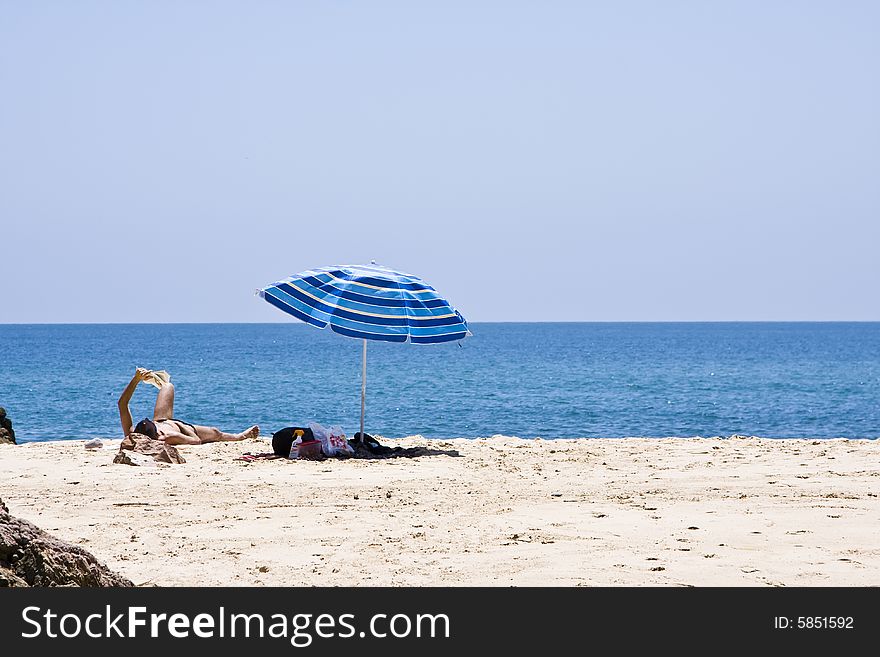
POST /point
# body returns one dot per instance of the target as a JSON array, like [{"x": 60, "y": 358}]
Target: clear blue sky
[{"x": 592, "y": 161}]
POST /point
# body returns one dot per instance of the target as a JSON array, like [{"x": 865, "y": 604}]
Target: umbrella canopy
[{"x": 370, "y": 302}]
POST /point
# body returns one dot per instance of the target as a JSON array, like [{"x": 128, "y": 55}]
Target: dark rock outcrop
[
  {"x": 135, "y": 448},
  {"x": 7, "y": 435},
  {"x": 31, "y": 557}
]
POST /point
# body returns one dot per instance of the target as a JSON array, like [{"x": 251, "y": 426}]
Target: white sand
[{"x": 652, "y": 512}]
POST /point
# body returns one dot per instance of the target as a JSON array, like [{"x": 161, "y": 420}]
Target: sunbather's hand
[{"x": 141, "y": 373}]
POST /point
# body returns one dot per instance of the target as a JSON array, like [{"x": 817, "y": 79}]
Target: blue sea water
[{"x": 554, "y": 380}]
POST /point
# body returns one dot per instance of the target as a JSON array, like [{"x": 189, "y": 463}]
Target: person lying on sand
[{"x": 164, "y": 426}]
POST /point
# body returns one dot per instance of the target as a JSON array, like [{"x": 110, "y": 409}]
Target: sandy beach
[{"x": 497, "y": 511}]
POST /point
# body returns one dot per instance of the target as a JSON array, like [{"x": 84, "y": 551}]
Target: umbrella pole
[{"x": 363, "y": 391}]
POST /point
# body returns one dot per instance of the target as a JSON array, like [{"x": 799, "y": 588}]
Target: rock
[
  {"x": 133, "y": 458},
  {"x": 31, "y": 557},
  {"x": 141, "y": 444},
  {"x": 7, "y": 435},
  {"x": 168, "y": 454},
  {"x": 9, "y": 579}
]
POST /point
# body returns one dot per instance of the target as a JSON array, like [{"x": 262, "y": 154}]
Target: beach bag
[
  {"x": 333, "y": 441},
  {"x": 322, "y": 434},
  {"x": 282, "y": 440},
  {"x": 339, "y": 442}
]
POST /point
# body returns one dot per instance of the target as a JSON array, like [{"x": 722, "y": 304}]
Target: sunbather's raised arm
[{"x": 125, "y": 397}]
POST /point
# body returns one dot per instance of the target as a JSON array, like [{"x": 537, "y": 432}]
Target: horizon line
[{"x": 502, "y": 321}]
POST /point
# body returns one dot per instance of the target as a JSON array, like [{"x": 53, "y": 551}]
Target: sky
[{"x": 533, "y": 161}]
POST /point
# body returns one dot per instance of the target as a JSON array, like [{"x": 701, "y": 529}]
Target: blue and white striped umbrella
[{"x": 368, "y": 302}]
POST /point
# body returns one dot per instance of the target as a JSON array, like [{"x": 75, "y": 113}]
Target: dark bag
[{"x": 282, "y": 440}]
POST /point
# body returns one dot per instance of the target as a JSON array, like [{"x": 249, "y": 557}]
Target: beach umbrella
[{"x": 368, "y": 302}]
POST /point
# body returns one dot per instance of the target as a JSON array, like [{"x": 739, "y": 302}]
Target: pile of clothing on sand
[{"x": 316, "y": 442}]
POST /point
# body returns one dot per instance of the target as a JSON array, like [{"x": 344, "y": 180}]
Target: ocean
[{"x": 549, "y": 380}]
